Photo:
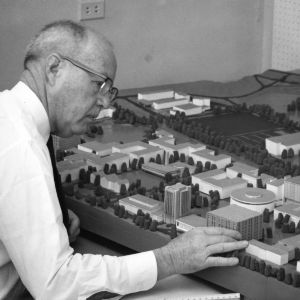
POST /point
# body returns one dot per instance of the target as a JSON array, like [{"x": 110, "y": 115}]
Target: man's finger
[
  {"x": 218, "y": 261},
  {"x": 226, "y": 247},
  {"x": 220, "y": 230},
  {"x": 216, "y": 239}
]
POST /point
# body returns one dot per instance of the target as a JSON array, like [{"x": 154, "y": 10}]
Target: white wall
[{"x": 156, "y": 42}]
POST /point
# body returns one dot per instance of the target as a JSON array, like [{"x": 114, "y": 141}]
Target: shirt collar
[{"x": 33, "y": 106}]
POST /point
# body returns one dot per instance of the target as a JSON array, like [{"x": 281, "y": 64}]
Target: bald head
[{"x": 70, "y": 39}]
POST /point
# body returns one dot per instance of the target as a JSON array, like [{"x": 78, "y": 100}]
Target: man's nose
[{"x": 103, "y": 101}]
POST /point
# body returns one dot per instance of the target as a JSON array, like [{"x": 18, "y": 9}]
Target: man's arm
[{"x": 196, "y": 250}]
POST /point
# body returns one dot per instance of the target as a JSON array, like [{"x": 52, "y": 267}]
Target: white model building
[
  {"x": 290, "y": 244},
  {"x": 148, "y": 205},
  {"x": 216, "y": 180},
  {"x": 241, "y": 168},
  {"x": 181, "y": 166},
  {"x": 66, "y": 167},
  {"x": 137, "y": 149},
  {"x": 177, "y": 202},
  {"x": 101, "y": 149},
  {"x": 207, "y": 155},
  {"x": 188, "y": 109},
  {"x": 189, "y": 222},
  {"x": 106, "y": 113},
  {"x": 292, "y": 209},
  {"x": 168, "y": 103},
  {"x": 202, "y": 102},
  {"x": 275, "y": 145},
  {"x": 277, "y": 187},
  {"x": 163, "y": 133},
  {"x": 256, "y": 199},
  {"x": 113, "y": 182},
  {"x": 168, "y": 145},
  {"x": 60, "y": 143},
  {"x": 180, "y": 95},
  {"x": 292, "y": 188},
  {"x": 269, "y": 253},
  {"x": 298, "y": 266},
  {"x": 156, "y": 95},
  {"x": 160, "y": 170}
]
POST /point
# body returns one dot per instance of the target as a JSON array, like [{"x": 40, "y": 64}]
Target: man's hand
[
  {"x": 74, "y": 229},
  {"x": 195, "y": 250}
]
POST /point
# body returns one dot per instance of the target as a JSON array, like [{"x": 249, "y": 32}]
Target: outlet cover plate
[{"x": 91, "y": 10}]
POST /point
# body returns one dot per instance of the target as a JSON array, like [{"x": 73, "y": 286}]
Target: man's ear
[{"x": 53, "y": 67}]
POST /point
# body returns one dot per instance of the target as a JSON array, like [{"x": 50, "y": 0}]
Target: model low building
[
  {"x": 113, "y": 182},
  {"x": 168, "y": 103},
  {"x": 148, "y": 205},
  {"x": 256, "y": 199},
  {"x": 206, "y": 155},
  {"x": 246, "y": 221},
  {"x": 241, "y": 168},
  {"x": 277, "y": 187},
  {"x": 290, "y": 244},
  {"x": 101, "y": 149},
  {"x": 160, "y": 170},
  {"x": 163, "y": 133},
  {"x": 291, "y": 209},
  {"x": 275, "y": 145},
  {"x": 201, "y": 101},
  {"x": 269, "y": 253},
  {"x": 292, "y": 188},
  {"x": 181, "y": 166},
  {"x": 190, "y": 222},
  {"x": 188, "y": 109},
  {"x": 156, "y": 95},
  {"x": 137, "y": 150},
  {"x": 66, "y": 168},
  {"x": 216, "y": 180}
]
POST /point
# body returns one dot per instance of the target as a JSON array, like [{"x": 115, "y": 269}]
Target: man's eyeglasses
[{"x": 105, "y": 84}]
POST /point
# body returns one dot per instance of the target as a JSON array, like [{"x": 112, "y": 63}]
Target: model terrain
[{"x": 200, "y": 161}]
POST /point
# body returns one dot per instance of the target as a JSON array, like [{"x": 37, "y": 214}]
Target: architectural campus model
[{"x": 198, "y": 186}]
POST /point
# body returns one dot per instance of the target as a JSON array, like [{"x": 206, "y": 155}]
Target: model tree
[
  {"x": 134, "y": 164},
  {"x": 158, "y": 159},
  {"x": 123, "y": 190},
  {"x": 124, "y": 167},
  {"x": 190, "y": 161},
  {"x": 113, "y": 169},
  {"x": 266, "y": 215},
  {"x": 106, "y": 169},
  {"x": 176, "y": 156},
  {"x": 97, "y": 180},
  {"x": 182, "y": 157}
]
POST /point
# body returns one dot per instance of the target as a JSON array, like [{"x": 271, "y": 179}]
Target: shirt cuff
[{"x": 142, "y": 271}]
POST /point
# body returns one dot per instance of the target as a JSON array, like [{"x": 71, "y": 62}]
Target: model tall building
[
  {"x": 177, "y": 202},
  {"x": 246, "y": 221}
]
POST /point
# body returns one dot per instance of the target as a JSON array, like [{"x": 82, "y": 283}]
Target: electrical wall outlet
[{"x": 90, "y": 10}]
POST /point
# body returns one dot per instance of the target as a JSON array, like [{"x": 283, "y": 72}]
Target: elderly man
[{"x": 67, "y": 79}]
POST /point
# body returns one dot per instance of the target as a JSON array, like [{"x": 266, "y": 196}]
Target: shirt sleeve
[{"x": 36, "y": 240}]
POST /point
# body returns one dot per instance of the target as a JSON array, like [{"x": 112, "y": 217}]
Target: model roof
[
  {"x": 295, "y": 179},
  {"x": 286, "y": 139},
  {"x": 208, "y": 174},
  {"x": 276, "y": 182},
  {"x": 234, "y": 212},
  {"x": 193, "y": 220},
  {"x": 209, "y": 155},
  {"x": 169, "y": 100},
  {"x": 290, "y": 208},
  {"x": 225, "y": 182},
  {"x": 187, "y": 106},
  {"x": 270, "y": 248},
  {"x": 255, "y": 196}
]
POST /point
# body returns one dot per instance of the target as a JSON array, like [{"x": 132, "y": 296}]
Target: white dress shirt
[{"x": 33, "y": 240}]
